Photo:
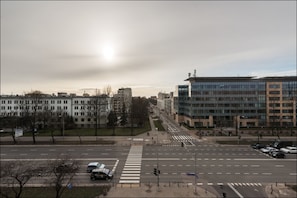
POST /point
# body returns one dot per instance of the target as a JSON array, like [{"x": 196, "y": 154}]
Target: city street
[
  {"x": 174, "y": 157},
  {"x": 225, "y": 168}
]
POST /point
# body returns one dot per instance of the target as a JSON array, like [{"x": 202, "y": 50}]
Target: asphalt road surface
[{"x": 234, "y": 170}]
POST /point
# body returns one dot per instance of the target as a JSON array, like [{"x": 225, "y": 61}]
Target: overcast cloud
[{"x": 57, "y": 46}]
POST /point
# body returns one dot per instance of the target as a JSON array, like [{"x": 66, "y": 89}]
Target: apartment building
[
  {"x": 236, "y": 102},
  {"x": 122, "y": 99},
  {"x": 85, "y": 110},
  {"x": 164, "y": 102}
]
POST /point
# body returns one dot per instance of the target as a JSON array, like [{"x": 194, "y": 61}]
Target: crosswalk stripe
[
  {"x": 232, "y": 184},
  {"x": 132, "y": 167}
]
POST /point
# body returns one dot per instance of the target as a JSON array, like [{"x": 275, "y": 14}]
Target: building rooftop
[{"x": 241, "y": 78}]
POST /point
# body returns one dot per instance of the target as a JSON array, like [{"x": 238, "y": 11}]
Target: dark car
[
  {"x": 101, "y": 173},
  {"x": 278, "y": 154},
  {"x": 258, "y": 146}
]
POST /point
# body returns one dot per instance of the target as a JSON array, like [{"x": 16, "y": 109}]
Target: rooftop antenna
[{"x": 194, "y": 73}]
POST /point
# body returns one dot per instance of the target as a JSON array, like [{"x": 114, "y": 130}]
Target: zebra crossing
[
  {"x": 245, "y": 184},
  {"x": 183, "y": 138},
  {"x": 132, "y": 167},
  {"x": 232, "y": 184}
]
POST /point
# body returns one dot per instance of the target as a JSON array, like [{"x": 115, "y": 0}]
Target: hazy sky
[{"x": 150, "y": 46}]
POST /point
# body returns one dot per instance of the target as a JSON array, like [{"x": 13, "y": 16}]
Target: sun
[{"x": 108, "y": 52}]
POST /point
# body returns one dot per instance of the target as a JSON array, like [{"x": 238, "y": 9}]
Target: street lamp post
[{"x": 195, "y": 174}]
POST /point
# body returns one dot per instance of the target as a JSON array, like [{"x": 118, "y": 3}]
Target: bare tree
[
  {"x": 97, "y": 110},
  {"x": 112, "y": 121},
  {"x": 15, "y": 174},
  {"x": 63, "y": 170},
  {"x": 107, "y": 90},
  {"x": 31, "y": 107}
]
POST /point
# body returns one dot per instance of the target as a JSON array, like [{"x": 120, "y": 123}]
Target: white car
[
  {"x": 94, "y": 165},
  {"x": 267, "y": 149},
  {"x": 289, "y": 149}
]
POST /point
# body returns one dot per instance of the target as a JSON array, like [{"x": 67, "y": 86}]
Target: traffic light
[{"x": 156, "y": 172}]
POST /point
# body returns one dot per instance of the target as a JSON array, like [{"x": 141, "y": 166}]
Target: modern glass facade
[{"x": 237, "y": 101}]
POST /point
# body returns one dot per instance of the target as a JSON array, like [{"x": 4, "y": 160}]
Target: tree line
[
  {"x": 58, "y": 174},
  {"x": 35, "y": 115}
]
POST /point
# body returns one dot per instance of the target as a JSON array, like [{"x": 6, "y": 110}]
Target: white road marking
[
  {"x": 279, "y": 165},
  {"x": 240, "y": 196}
]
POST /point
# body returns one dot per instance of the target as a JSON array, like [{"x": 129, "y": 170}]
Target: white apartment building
[
  {"x": 164, "y": 102},
  {"x": 85, "y": 110}
]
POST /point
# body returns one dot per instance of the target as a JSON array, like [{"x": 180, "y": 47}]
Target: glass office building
[{"x": 237, "y": 102}]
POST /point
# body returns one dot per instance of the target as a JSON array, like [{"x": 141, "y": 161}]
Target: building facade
[
  {"x": 86, "y": 111},
  {"x": 237, "y": 102},
  {"x": 123, "y": 99}
]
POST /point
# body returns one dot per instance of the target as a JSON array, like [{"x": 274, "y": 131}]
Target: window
[
  {"x": 274, "y": 86},
  {"x": 274, "y": 92}
]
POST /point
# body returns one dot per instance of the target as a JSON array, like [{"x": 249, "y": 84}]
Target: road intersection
[{"x": 237, "y": 170}]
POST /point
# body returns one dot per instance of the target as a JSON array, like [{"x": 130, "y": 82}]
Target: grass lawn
[
  {"x": 119, "y": 131},
  {"x": 75, "y": 192},
  {"x": 158, "y": 124}
]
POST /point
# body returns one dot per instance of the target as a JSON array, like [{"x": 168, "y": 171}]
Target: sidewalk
[
  {"x": 280, "y": 191},
  {"x": 181, "y": 191}
]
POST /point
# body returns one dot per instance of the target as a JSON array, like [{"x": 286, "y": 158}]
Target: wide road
[{"x": 228, "y": 169}]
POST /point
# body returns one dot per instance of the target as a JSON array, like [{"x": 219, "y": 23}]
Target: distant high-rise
[{"x": 122, "y": 99}]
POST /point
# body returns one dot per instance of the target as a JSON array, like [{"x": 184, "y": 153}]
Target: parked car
[
  {"x": 94, "y": 165},
  {"x": 289, "y": 149},
  {"x": 278, "y": 154},
  {"x": 257, "y": 146},
  {"x": 101, "y": 173},
  {"x": 273, "y": 150},
  {"x": 267, "y": 149}
]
